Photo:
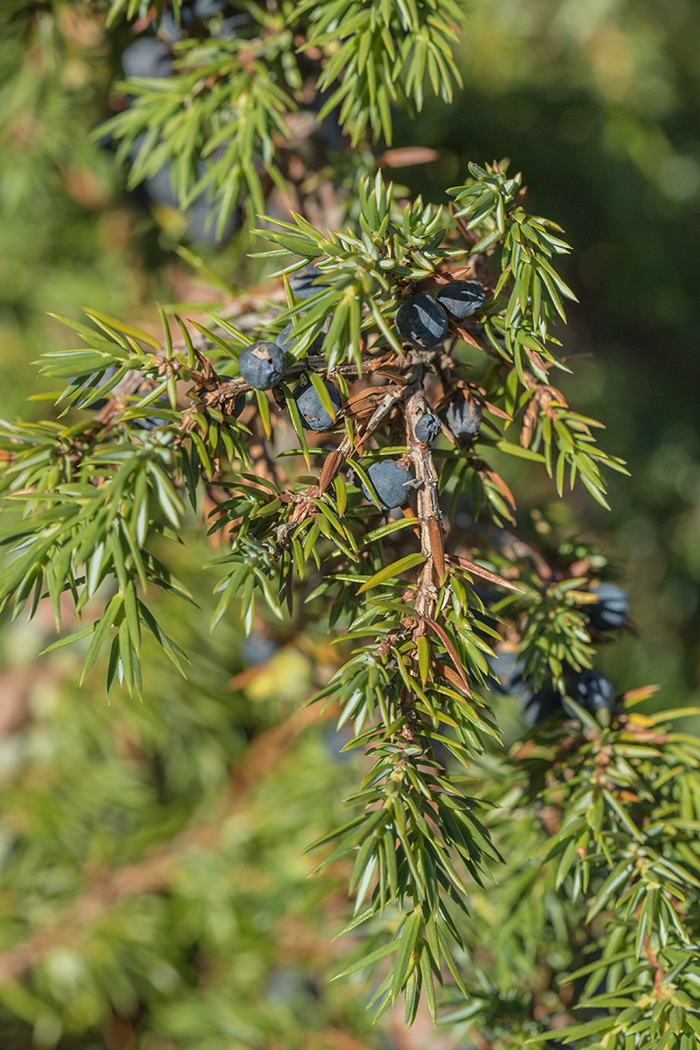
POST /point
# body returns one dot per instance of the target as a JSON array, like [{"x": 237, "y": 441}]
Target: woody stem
[{"x": 428, "y": 509}]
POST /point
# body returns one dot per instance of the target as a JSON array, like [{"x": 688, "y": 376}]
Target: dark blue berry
[
  {"x": 464, "y": 418},
  {"x": 257, "y": 649},
  {"x": 422, "y": 321},
  {"x": 427, "y": 428},
  {"x": 208, "y": 8},
  {"x": 262, "y": 365},
  {"x": 313, "y": 414},
  {"x": 287, "y": 338},
  {"x": 592, "y": 690},
  {"x": 201, "y": 222},
  {"x": 330, "y": 129},
  {"x": 461, "y": 298},
  {"x": 147, "y": 57},
  {"x": 612, "y": 608},
  {"x": 391, "y": 483},
  {"x": 198, "y": 215},
  {"x": 539, "y": 706},
  {"x": 172, "y": 30},
  {"x": 335, "y": 740},
  {"x": 303, "y": 282}
]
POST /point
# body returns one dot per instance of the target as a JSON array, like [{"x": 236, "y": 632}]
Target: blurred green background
[{"x": 598, "y": 103}]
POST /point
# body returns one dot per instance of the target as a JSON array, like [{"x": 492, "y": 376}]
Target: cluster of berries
[
  {"x": 152, "y": 57},
  {"x": 463, "y": 419},
  {"x": 422, "y": 321},
  {"x": 590, "y": 689},
  {"x": 171, "y": 30}
]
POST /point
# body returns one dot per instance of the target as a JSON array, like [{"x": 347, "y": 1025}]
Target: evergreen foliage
[{"x": 560, "y": 876}]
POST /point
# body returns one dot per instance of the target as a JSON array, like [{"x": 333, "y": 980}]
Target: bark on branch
[{"x": 428, "y": 505}]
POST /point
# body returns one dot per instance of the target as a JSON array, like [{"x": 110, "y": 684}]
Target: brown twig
[
  {"x": 428, "y": 505},
  {"x": 336, "y": 459}
]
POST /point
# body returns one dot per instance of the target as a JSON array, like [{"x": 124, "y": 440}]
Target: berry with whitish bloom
[
  {"x": 422, "y": 321},
  {"x": 313, "y": 415},
  {"x": 201, "y": 223},
  {"x": 391, "y": 483},
  {"x": 539, "y": 706},
  {"x": 592, "y": 690},
  {"x": 287, "y": 338},
  {"x": 303, "y": 282},
  {"x": 464, "y": 418},
  {"x": 170, "y": 28},
  {"x": 612, "y": 608},
  {"x": 262, "y": 365},
  {"x": 427, "y": 428},
  {"x": 208, "y": 8},
  {"x": 147, "y": 57},
  {"x": 197, "y": 219},
  {"x": 461, "y": 298},
  {"x": 257, "y": 649}
]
